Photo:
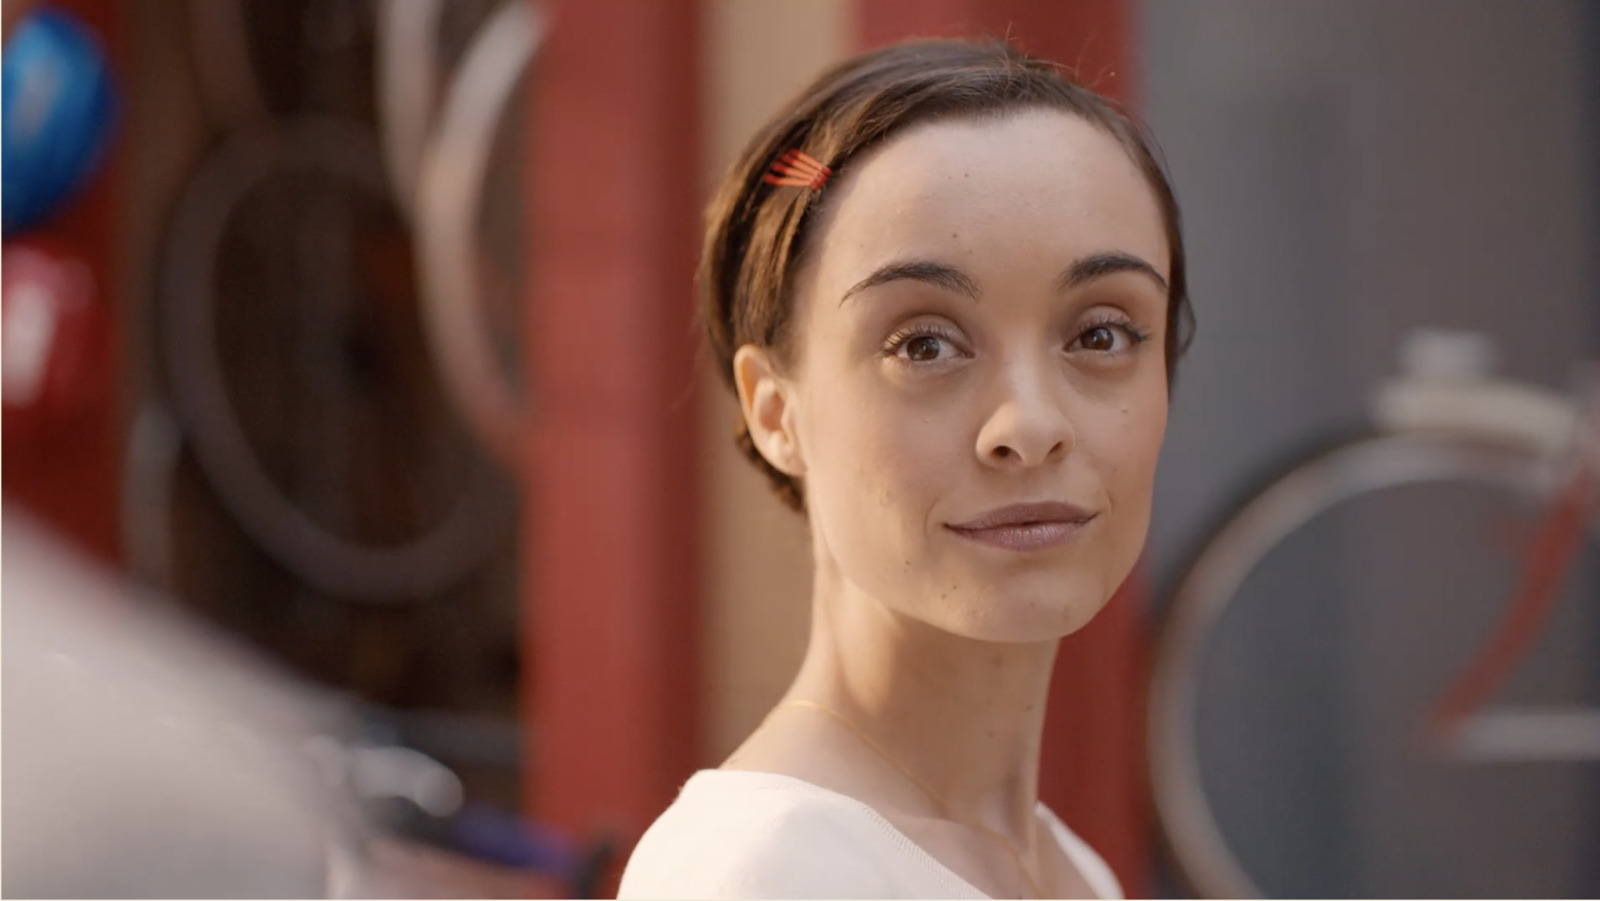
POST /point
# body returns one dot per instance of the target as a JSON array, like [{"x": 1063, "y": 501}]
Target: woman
[{"x": 947, "y": 286}]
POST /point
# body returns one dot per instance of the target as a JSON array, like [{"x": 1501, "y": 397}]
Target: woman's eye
[
  {"x": 1108, "y": 338},
  {"x": 923, "y": 348},
  {"x": 921, "y": 345},
  {"x": 1101, "y": 338}
]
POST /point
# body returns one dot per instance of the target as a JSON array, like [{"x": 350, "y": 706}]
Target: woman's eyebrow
[
  {"x": 943, "y": 275},
  {"x": 938, "y": 274},
  {"x": 1096, "y": 265}
]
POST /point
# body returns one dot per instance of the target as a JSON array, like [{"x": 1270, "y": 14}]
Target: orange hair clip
[{"x": 798, "y": 169}]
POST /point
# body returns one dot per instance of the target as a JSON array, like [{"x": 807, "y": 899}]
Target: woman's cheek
[
  {"x": 856, "y": 443},
  {"x": 904, "y": 456},
  {"x": 888, "y": 440},
  {"x": 1132, "y": 464}
]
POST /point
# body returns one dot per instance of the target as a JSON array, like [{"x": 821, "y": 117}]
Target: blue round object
[{"x": 58, "y": 106}]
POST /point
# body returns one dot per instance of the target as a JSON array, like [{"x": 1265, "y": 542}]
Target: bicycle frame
[
  {"x": 1571, "y": 437},
  {"x": 1445, "y": 418}
]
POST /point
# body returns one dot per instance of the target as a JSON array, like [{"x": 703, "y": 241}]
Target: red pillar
[
  {"x": 610, "y": 532},
  {"x": 1093, "y": 771}
]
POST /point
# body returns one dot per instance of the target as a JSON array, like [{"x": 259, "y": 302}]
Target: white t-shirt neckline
[{"x": 1094, "y": 870}]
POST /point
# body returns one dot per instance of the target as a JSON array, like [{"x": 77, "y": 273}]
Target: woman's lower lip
[{"x": 1033, "y": 536}]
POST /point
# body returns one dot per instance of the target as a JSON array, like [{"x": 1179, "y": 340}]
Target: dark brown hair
[{"x": 756, "y": 233}]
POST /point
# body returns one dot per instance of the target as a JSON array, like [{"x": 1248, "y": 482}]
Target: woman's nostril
[{"x": 1002, "y": 451}]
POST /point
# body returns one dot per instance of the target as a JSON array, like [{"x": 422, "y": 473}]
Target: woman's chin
[{"x": 1029, "y": 610}]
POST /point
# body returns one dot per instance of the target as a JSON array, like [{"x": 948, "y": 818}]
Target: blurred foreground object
[
  {"x": 58, "y": 107},
  {"x": 145, "y": 757}
]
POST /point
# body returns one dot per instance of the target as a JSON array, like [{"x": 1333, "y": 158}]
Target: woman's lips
[
  {"x": 1025, "y": 527},
  {"x": 1032, "y": 537}
]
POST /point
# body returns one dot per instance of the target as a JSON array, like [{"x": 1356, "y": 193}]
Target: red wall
[
  {"x": 70, "y": 472},
  {"x": 612, "y": 519}
]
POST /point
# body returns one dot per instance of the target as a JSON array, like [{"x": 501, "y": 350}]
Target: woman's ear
[{"x": 767, "y": 403}]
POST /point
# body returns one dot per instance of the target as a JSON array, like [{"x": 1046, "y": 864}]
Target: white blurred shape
[
  {"x": 1447, "y": 355},
  {"x": 1524, "y": 736},
  {"x": 29, "y": 331},
  {"x": 124, "y": 774}
]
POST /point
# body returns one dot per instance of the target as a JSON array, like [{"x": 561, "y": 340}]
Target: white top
[{"x": 741, "y": 834}]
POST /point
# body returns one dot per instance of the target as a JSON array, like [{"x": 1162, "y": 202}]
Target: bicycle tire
[
  {"x": 260, "y": 61},
  {"x": 410, "y": 80},
  {"x": 1309, "y": 486},
  {"x": 326, "y": 561},
  {"x": 449, "y": 199}
]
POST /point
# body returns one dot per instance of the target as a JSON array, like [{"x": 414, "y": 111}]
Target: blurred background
[{"x": 356, "y": 335}]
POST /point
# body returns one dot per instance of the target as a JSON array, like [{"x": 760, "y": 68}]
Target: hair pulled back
[{"x": 756, "y": 233}]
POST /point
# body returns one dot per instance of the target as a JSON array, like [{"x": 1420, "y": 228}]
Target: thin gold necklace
[{"x": 938, "y": 800}]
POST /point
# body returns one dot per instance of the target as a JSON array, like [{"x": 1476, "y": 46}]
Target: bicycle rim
[
  {"x": 322, "y": 559},
  {"x": 1217, "y": 572}
]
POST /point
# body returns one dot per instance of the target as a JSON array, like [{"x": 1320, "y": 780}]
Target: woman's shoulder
[{"x": 738, "y": 834}]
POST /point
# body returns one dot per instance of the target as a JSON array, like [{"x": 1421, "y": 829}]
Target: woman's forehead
[{"x": 1036, "y": 183}]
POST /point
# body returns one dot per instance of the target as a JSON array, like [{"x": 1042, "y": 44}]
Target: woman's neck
[{"x": 964, "y": 717}]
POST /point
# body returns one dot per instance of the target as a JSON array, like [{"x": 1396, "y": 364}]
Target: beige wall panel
[{"x": 758, "y": 571}]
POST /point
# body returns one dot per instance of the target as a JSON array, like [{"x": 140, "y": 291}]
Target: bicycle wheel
[
  {"x": 420, "y": 43},
  {"x": 299, "y": 368},
  {"x": 260, "y": 60},
  {"x": 1304, "y": 641},
  {"x": 470, "y": 238}
]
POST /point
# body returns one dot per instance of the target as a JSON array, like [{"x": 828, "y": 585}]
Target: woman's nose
[{"x": 1029, "y": 424}]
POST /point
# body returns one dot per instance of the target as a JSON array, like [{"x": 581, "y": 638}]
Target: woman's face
[{"x": 979, "y": 393}]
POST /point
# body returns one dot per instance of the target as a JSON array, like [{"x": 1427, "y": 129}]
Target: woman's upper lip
[{"x": 1023, "y": 514}]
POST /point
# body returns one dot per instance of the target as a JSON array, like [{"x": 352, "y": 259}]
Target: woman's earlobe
[{"x": 765, "y": 403}]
